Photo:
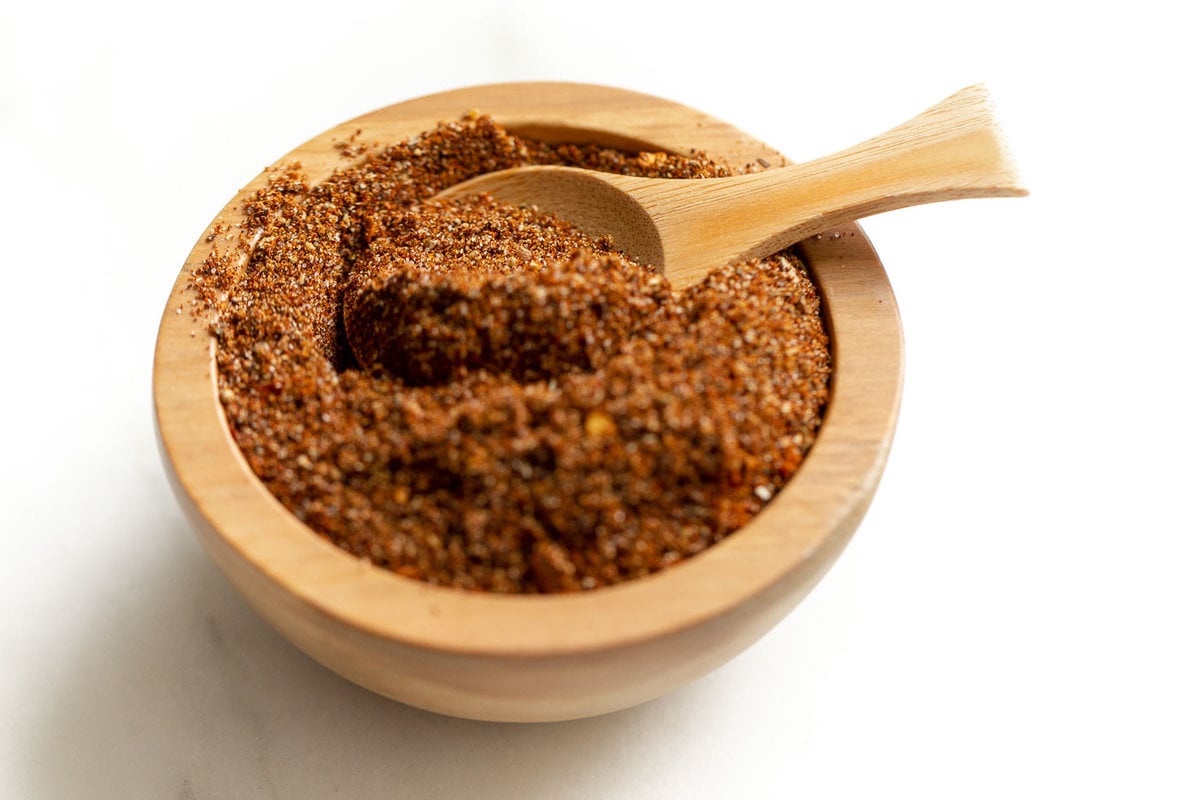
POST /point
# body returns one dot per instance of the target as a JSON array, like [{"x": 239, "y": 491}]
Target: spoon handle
[{"x": 952, "y": 151}]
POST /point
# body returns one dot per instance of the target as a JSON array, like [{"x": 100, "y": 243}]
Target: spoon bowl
[
  {"x": 951, "y": 151},
  {"x": 537, "y": 657}
]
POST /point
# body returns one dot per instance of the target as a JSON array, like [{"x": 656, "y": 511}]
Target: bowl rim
[{"x": 797, "y": 534}]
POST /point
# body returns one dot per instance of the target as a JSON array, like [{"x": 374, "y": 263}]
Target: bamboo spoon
[{"x": 952, "y": 151}]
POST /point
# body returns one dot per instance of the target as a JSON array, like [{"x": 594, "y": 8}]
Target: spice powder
[{"x": 478, "y": 395}]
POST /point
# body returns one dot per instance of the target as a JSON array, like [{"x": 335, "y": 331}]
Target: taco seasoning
[{"x": 478, "y": 395}]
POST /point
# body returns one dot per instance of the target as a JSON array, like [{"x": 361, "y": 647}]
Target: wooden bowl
[{"x": 540, "y": 657}]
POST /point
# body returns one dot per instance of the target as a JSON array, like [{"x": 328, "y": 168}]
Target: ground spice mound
[
  {"x": 479, "y": 396},
  {"x": 460, "y": 290}
]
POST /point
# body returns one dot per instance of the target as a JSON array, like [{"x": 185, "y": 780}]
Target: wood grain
[{"x": 526, "y": 658}]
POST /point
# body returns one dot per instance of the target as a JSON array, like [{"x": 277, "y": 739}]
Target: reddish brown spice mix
[{"x": 479, "y": 396}]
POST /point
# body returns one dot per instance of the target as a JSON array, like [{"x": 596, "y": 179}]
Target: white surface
[{"x": 1017, "y": 616}]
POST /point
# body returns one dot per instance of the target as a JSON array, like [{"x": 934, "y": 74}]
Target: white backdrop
[{"x": 1016, "y": 617}]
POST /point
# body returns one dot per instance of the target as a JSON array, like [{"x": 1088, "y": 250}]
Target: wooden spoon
[{"x": 689, "y": 227}]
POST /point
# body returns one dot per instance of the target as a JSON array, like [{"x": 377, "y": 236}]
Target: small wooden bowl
[{"x": 543, "y": 657}]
